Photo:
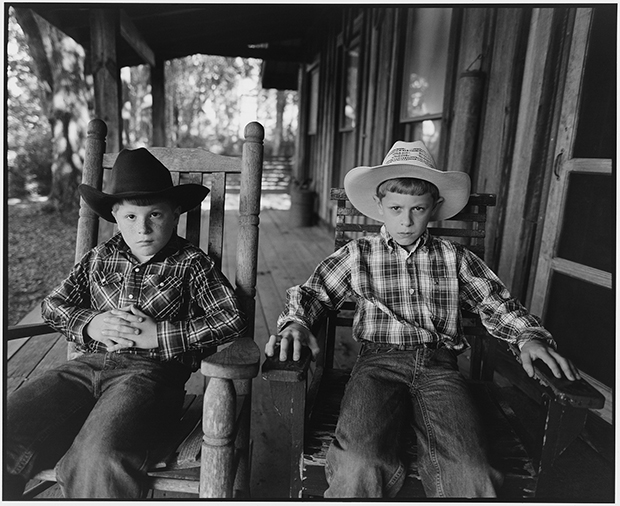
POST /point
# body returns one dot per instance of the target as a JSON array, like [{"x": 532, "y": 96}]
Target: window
[
  {"x": 348, "y": 111},
  {"x": 426, "y": 60}
]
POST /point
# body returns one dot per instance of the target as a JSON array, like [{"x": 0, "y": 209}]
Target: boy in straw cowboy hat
[
  {"x": 408, "y": 287},
  {"x": 142, "y": 308}
]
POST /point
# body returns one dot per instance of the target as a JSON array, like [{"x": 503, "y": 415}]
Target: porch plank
[{"x": 25, "y": 362}]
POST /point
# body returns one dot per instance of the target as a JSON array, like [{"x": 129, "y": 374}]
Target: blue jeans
[
  {"x": 389, "y": 388},
  {"x": 95, "y": 418}
]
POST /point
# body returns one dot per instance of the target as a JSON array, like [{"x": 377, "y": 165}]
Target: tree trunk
[
  {"x": 279, "y": 129},
  {"x": 59, "y": 64}
]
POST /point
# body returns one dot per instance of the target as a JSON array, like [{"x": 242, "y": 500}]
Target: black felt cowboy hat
[{"x": 136, "y": 173}]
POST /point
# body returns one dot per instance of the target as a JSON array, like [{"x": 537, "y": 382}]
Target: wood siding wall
[{"x": 493, "y": 145}]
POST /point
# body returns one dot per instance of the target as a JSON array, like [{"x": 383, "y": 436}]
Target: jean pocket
[{"x": 445, "y": 358}]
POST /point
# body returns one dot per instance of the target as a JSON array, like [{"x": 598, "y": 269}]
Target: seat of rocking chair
[{"x": 507, "y": 452}]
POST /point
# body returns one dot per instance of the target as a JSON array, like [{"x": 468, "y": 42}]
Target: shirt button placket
[{"x": 134, "y": 285}]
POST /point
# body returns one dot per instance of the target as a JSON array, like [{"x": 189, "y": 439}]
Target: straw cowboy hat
[
  {"x": 407, "y": 159},
  {"x": 136, "y": 173}
]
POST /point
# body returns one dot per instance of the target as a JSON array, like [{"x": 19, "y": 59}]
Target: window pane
[
  {"x": 581, "y": 317},
  {"x": 427, "y": 131},
  {"x": 596, "y": 131},
  {"x": 426, "y": 59},
  {"x": 588, "y": 232},
  {"x": 349, "y": 110}
]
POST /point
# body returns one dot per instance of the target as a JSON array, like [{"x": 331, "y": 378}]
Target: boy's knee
[{"x": 100, "y": 471}]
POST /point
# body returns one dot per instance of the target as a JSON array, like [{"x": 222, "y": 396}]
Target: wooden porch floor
[{"x": 287, "y": 256}]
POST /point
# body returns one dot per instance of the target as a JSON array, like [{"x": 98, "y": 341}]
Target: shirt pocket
[
  {"x": 441, "y": 297},
  {"x": 106, "y": 290},
  {"x": 162, "y": 296}
]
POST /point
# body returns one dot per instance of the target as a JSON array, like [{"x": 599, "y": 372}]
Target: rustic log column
[
  {"x": 158, "y": 83},
  {"x": 106, "y": 75},
  {"x": 464, "y": 130}
]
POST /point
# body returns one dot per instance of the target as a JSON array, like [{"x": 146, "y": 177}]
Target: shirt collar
[{"x": 422, "y": 242}]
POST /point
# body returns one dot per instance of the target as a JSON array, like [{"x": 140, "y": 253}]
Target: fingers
[
  {"x": 557, "y": 363},
  {"x": 115, "y": 326},
  {"x": 526, "y": 362},
  {"x": 270, "y": 347},
  {"x": 117, "y": 344},
  {"x": 130, "y": 314},
  {"x": 292, "y": 340}
]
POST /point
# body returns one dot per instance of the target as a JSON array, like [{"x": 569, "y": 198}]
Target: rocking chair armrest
[
  {"x": 290, "y": 370},
  {"x": 578, "y": 393},
  {"x": 27, "y": 330},
  {"x": 238, "y": 361}
]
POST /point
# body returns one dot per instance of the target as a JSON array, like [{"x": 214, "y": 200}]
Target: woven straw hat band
[{"x": 415, "y": 155}]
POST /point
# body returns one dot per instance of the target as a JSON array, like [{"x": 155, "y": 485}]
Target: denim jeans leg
[
  {"x": 362, "y": 460},
  {"x": 139, "y": 402},
  {"x": 41, "y": 420},
  {"x": 451, "y": 446}
]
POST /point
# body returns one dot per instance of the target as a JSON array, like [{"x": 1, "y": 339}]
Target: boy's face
[
  {"x": 146, "y": 229},
  {"x": 406, "y": 216}
]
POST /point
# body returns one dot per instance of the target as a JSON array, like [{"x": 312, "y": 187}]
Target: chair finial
[{"x": 254, "y": 132}]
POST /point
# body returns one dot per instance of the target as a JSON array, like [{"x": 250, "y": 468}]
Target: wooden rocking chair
[
  {"x": 307, "y": 394},
  {"x": 210, "y": 454}
]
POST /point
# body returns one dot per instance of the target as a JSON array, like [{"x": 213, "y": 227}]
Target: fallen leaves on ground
[{"x": 41, "y": 249}]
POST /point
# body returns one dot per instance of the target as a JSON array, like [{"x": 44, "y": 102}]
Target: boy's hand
[
  {"x": 147, "y": 329},
  {"x": 536, "y": 349},
  {"x": 124, "y": 327},
  {"x": 296, "y": 334},
  {"x": 114, "y": 328}
]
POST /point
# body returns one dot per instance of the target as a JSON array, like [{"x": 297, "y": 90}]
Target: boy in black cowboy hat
[
  {"x": 142, "y": 309},
  {"x": 408, "y": 288}
]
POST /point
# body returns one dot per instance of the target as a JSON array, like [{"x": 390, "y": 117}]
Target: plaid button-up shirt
[
  {"x": 410, "y": 298},
  {"x": 192, "y": 302}
]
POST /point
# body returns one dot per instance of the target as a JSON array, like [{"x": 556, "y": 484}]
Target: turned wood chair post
[
  {"x": 221, "y": 444},
  {"x": 92, "y": 174},
  {"x": 249, "y": 209},
  {"x": 218, "y": 447},
  {"x": 245, "y": 277}
]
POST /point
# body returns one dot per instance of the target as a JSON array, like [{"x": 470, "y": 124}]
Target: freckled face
[
  {"x": 406, "y": 216},
  {"x": 146, "y": 229}
]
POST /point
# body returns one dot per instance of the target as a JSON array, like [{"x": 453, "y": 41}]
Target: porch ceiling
[{"x": 269, "y": 31}]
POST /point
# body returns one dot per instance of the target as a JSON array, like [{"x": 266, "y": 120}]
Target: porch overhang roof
[{"x": 272, "y": 32}]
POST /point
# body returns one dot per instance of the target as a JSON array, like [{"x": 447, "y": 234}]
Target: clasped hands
[{"x": 125, "y": 327}]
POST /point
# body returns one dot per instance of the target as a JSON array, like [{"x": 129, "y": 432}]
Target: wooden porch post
[
  {"x": 106, "y": 75},
  {"x": 159, "y": 102}
]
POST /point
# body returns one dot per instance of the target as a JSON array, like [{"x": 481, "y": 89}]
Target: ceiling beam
[{"x": 134, "y": 38}]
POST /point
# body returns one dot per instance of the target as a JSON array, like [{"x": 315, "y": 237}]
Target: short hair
[
  {"x": 146, "y": 201},
  {"x": 408, "y": 186}
]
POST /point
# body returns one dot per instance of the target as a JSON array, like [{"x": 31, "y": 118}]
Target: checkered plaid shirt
[
  {"x": 409, "y": 298},
  {"x": 191, "y": 300}
]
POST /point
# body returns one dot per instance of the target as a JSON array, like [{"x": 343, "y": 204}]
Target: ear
[
  {"x": 379, "y": 204},
  {"x": 437, "y": 205},
  {"x": 177, "y": 214}
]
